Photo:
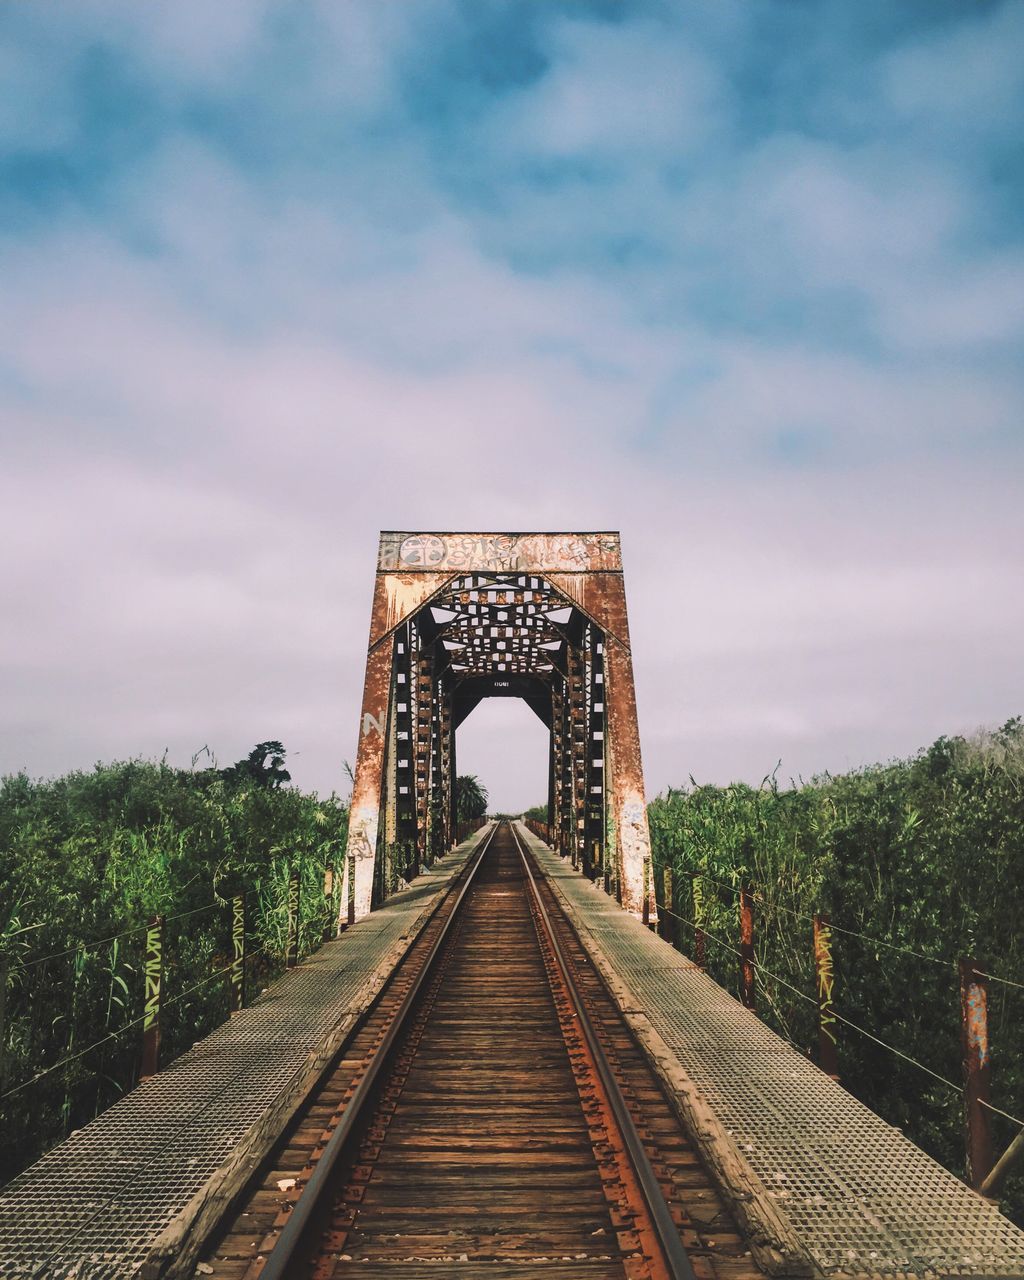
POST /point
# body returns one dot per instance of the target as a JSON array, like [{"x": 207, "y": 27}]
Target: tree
[
  {"x": 470, "y": 798},
  {"x": 263, "y": 767}
]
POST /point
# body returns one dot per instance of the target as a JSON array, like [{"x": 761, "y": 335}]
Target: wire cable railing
[
  {"x": 701, "y": 930},
  {"x": 772, "y": 905}
]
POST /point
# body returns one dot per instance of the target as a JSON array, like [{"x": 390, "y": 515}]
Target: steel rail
[
  {"x": 665, "y": 1230},
  {"x": 280, "y": 1258}
]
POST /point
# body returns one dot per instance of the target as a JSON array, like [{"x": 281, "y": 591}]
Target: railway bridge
[{"x": 496, "y": 1069}]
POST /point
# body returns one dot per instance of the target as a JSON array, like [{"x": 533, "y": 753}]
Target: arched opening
[{"x": 504, "y": 744}]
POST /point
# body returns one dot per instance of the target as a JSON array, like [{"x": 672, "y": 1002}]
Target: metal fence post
[
  {"x": 154, "y": 980},
  {"x": 646, "y": 908},
  {"x": 977, "y": 1071},
  {"x": 824, "y": 970},
  {"x": 238, "y": 952},
  {"x": 747, "y": 977},
  {"x": 292, "y": 957},
  {"x": 700, "y": 946},
  {"x": 329, "y": 926},
  {"x": 666, "y": 923}
]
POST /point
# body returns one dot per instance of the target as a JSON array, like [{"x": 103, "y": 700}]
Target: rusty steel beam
[
  {"x": 364, "y": 814},
  {"x": 458, "y": 617}
]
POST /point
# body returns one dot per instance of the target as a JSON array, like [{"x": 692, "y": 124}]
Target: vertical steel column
[
  {"x": 612, "y": 849},
  {"x": 566, "y": 802},
  {"x": 389, "y": 785},
  {"x": 424, "y": 742},
  {"x": 555, "y": 765},
  {"x": 454, "y": 772},
  {"x": 552, "y": 787},
  {"x": 404, "y": 694},
  {"x": 435, "y": 841},
  {"x": 444, "y": 731},
  {"x": 447, "y": 765},
  {"x": 977, "y": 1071},
  {"x": 364, "y": 816},
  {"x": 578, "y": 721},
  {"x": 595, "y": 788},
  {"x": 627, "y": 789}
]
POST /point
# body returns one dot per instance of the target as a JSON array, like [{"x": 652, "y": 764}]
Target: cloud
[
  {"x": 611, "y": 94},
  {"x": 959, "y": 82},
  {"x": 276, "y": 277}
]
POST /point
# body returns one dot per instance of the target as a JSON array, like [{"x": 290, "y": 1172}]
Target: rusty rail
[
  {"x": 497, "y": 1066},
  {"x": 278, "y": 1265}
]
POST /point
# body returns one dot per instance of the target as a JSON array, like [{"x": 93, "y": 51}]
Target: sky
[{"x": 743, "y": 279}]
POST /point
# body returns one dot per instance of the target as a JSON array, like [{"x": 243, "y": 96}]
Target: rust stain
[
  {"x": 538, "y": 615},
  {"x": 977, "y": 1023}
]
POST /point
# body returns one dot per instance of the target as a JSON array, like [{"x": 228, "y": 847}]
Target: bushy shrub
[
  {"x": 94, "y": 855},
  {"x": 925, "y": 855}
]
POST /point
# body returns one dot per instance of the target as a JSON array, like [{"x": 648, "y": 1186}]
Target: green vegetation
[
  {"x": 918, "y": 862},
  {"x": 92, "y": 855},
  {"x": 926, "y": 855},
  {"x": 470, "y": 798}
]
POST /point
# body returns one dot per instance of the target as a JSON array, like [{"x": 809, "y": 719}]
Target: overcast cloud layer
[{"x": 744, "y": 280}]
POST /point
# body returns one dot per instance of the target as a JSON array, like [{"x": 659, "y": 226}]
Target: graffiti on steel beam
[
  {"x": 481, "y": 615},
  {"x": 825, "y": 975},
  {"x": 501, "y": 552},
  {"x": 153, "y": 975},
  {"x": 372, "y": 722}
]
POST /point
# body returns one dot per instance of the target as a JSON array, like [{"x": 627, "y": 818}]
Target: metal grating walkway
[
  {"x": 852, "y": 1194},
  {"x": 92, "y": 1207}
]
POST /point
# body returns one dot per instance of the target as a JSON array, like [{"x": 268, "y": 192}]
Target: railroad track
[{"x": 491, "y": 1117}]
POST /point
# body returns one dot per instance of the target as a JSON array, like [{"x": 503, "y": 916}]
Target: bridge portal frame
[{"x": 461, "y": 616}]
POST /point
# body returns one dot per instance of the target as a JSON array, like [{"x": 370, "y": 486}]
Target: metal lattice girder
[{"x": 458, "y": 617}]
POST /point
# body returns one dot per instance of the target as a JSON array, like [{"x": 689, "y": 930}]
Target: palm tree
[{"x": 470, "y": 797}]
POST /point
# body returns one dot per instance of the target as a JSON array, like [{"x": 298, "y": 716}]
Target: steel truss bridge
[
  {"x": 461, "y": 617},
  {"x": 496, "y": 1071}
]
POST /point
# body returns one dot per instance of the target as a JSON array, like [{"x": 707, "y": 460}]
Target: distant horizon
[{"x": 788, "y": 780}]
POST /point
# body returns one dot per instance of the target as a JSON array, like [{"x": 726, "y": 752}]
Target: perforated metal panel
[
  {"x": 92, "y": 1206},
  {"x": 860, "y": 1197}
]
